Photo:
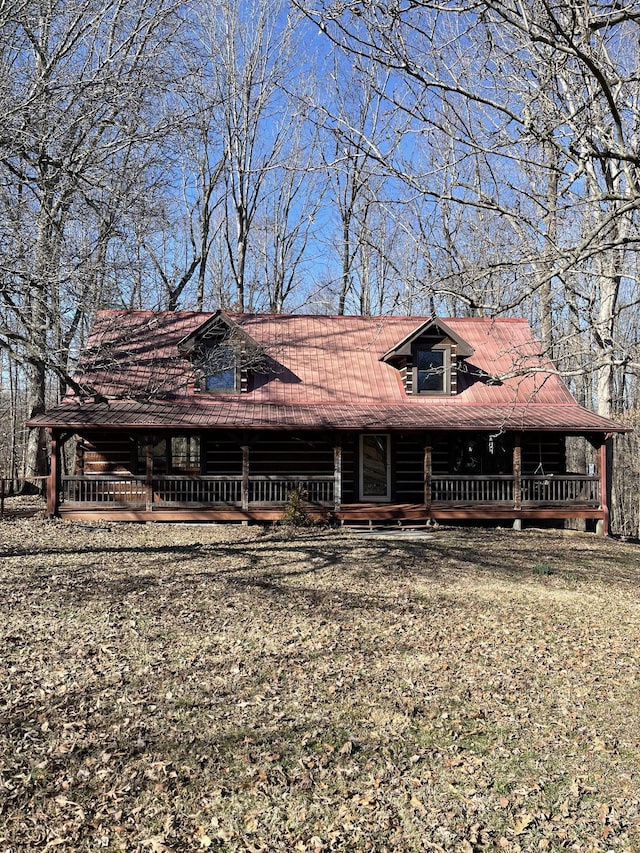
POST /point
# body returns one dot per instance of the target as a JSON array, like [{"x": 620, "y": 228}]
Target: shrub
[{"x": 296, "y": 513}]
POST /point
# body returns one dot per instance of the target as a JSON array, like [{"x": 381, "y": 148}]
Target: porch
[{"x": 263, "y": 498}]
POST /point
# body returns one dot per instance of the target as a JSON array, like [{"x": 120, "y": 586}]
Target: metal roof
[{"x": 323, "y": 372}]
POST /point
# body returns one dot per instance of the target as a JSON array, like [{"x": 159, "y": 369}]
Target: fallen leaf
[
  {"x": 522, "y": 822},
  {"x": 156, "y": 844},
  {"x": 418, "y": 806}
]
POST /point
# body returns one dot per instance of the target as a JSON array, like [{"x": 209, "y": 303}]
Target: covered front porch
[
  {"x": 409, "y": 498},
  {"x": 364, "y": 479}
]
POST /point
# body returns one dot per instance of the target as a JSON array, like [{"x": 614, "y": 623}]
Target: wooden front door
[{"x": 375, "y": 467}]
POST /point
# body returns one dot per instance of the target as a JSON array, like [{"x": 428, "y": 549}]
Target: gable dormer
[
  {"x": 222, "y": 354},
  {"x": 428, "y": 359}
]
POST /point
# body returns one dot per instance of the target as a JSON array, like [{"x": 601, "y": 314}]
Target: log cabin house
[{"x": 218, "y": 417}]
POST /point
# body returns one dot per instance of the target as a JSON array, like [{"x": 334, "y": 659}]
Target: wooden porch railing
[
  {"x": 126, "y": 491},
  {"x": 554, "y": 490},
  {"x": 269, "y": 490},
  {"x": 462, "y": 489},
  {"x": 560, "y": 490},
  {"x": 176, "y": 490},
  {"x": 535, "y": 490}
]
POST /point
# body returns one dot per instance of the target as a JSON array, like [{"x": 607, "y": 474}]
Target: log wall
[
  {"x": 284, "y": 454},
  {"x": 110, "y": 453},
  {"x": 543, "y": 453},
  {"x": 311, "y": 453},
  {"x": 221, "y": 454}
]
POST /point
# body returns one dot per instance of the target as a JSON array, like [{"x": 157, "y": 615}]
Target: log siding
[{"x": 250, "y": 476}]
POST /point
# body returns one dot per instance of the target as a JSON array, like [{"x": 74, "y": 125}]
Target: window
[
  {"x": 222, "y": 380},
  {"x": 178, "y": 455},
  {"x": 185, "y": 454},
  {"x": 431, "y": 371},
  {"x": 158, "y": 452},
  {"x": 218, "y": 369},
  {"x": 478, "y": 453}
]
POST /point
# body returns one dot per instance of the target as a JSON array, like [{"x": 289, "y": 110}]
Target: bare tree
[
  {"x": 293, "y": 198},
  {"x": 251, "y": 48},
  {"x": 542, "y": 100},
  {"x": 76, "y": 101},
  {"x": 357, "y": 129}
]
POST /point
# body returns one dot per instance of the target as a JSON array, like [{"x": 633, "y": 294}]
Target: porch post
[
  {"x": 245, "y": 477},
  {"x": 517, "y": 471},
  {"x": 149, "y": 473},
  {"x": 428, "y": 467},
  {"x": 337, "y": 474},
  {"x": 602, "y": 526},
  {"x": 53, "y": 482}
]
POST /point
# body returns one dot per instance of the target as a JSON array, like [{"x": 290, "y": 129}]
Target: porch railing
[
  {"x": 269, "y": 490},
  {"x": 127, "y": 491},
  {"x": 459, "y": 488},
  {"x": 506, "y": 490},
  {"x": 561, "y": 489},
  {"x": 176, "y": 490},
  {"x": 534, "y": 491}
]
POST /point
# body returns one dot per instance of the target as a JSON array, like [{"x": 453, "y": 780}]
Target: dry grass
[{"x": 174, "y": 688}]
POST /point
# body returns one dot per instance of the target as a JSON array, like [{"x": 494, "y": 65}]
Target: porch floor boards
[
  {"x": 218, "y": 514},
  {"x": 349, "y": 514},
  {"x": 443, "y": 512}
]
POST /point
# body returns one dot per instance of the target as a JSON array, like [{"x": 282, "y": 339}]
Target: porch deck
[
  {"x": 263, "y": 499},
  {"x": 348, "y": 515}
]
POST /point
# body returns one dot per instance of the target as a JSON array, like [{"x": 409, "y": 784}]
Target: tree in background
[
  {"x": 534, "y": 107},
  {"x": 78, "y": 116},
  {"x": 251, "y": 51}
]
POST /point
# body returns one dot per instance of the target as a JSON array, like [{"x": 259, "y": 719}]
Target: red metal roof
[{"x": 327, "y": 373}]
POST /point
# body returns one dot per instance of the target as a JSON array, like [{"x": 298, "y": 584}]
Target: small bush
[
  {"x": 542, "y": 569},
  {"x": 296, "y": 513}
]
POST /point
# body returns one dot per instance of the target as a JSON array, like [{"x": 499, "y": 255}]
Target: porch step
[
  {"x": 385, "y": 524},
  {"x": 368, "y": 516}
]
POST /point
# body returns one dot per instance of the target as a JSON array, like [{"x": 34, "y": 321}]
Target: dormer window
[
  {"x": 431, "y": 370},
  {"x": 222, "y": 355},
  {"x": 218, "y": 369},
  {"x": 428, "y": 358},
  {"x": 224, "y": 380}
]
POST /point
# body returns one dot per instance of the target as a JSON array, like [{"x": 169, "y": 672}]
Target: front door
[{"x": 375, "y": 468}]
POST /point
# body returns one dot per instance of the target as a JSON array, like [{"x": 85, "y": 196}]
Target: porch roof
[
  {"x": 164, "y": 414},
  {"x": 319, "y": 373}
]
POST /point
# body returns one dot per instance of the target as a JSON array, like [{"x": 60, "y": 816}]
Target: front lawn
[{"x": 200, "y": 687}]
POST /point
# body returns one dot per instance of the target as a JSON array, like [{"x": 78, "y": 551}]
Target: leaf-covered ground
[{"x": 185, "y": 688}]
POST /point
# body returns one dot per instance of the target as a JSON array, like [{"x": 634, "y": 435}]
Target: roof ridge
[{"x": 320, "y": 317}]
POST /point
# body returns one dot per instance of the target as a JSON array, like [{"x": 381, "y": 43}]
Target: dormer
[
  {"x": 428, "y": 359},
  {"x": 222, "y": 354}
]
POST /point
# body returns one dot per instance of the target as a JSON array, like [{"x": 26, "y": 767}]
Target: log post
[
  {"x": 53, "y": 483},
  {"x": 337, "y": 474},
  {"x": 517, "y": 471},
  {"x": 427, "y": 470},
  {"x": 244, "y": 490},
  {"x": 149, "y": 473},
  {"x": 604, "y": 450}
]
